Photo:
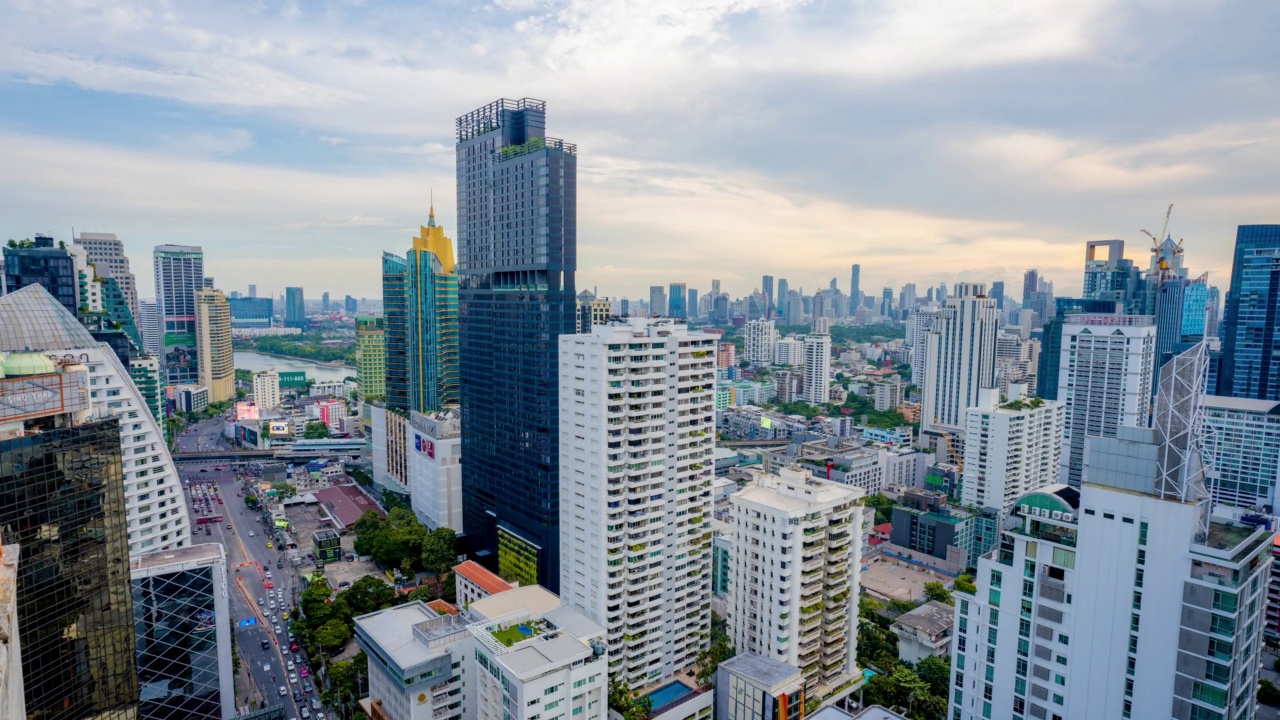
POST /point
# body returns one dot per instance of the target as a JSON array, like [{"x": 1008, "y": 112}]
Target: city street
[
  {"x": 203, "y": 436},
  {"x": 247, "y": 564}
]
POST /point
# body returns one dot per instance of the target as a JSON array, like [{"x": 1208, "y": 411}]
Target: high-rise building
[
  {"x": 266, "y": 389},
  {"x": 182, "y": 625},
  {"x": 435, "y": 469},
  {"x": 781, "y": 297},
  {"x": 761, "y": 339},
  {"x": 395, "y": 315},
  {"x": 919, "y": 325},
  {"x": 1051, "y": 339},
  {"x": 371, "y": 357},
  {"x": 1242, "y": 447},
  {"x": 517, "y": 257},
  {"x": 652, "y": 381},
  {"x": 432, "y": 340},
  {"x": 62, "y": 498},
  {"x": 855, "y": 286},
  {"x": 1030, "y": 284},
  {"x": 1129, "y": 597},
  {"x": 179, "y": 272},
  {"x": 789, "y": 352},
  {"x": 766, "y": 286},
  {"x": 1104, "y": 380},
  {"x": 295, "y": 308},
  {"x": 657, "y": 300},
  {"x": 692, "y": 306},
  {"x": 1010, "y": 449},
  {"x": 350, "y": 306},
  {"x": 1250, "y": 332},
  {"x": 794, "y": 583},
  {"x": 106, "y": 252},
  {"x": 42, "y": 263},
  {"x": 997, "y": 293},
  {"x": 794, "y": 314},
  {"x": 754, "y": 687},
  {"x": 676, "y": 299},
  {"x": 418, "y": 659},
  {"x": 324, "y": 302},
  {"x": 12, "y": 696},
  {"x": 253, "y": 291},
  {"x": 726, "y": 355},
  {"x": 960, "y": 360},
  {"x": 213, "y": 345},
  {"x": 817, "y": 368},
  {"x": 31, "y": 320},
  {"x": 149, "y": 324},
  {"x": 1112, "y": 278},
  {"x": 251, "y": 312}
]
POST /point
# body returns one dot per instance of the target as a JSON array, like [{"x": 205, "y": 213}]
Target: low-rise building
[
  {"x": 190, "y": 398},
  {"x": 754, "y": 687},
  {"x": 474, "y": 582},
  {"x": 924, "y": 523},
  {"x": 419, "y": 661},
  {"x": 924, "y": 631}
]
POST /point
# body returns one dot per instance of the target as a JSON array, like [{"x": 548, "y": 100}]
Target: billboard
[
  {"x": 247, "y": 411},
  {"x": 36, "y": 395},
  {"x": 293, "y": 379},
  {"x": 424, "y": 445},
  {"x": 278, "y": 429},
  {"x": 766, "y": 423},
  {"x": 181, "y": 363}
]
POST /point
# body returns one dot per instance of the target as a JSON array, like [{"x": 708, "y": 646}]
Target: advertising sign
[
  {"x": 278, "y": 429},
  {"x": 34, "y": 395},
  {"x": 180, "y": 358},
  {"x": 424, "y": 445}
]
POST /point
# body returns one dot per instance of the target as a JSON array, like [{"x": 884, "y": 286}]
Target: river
[{"x": 257, "y": 362}]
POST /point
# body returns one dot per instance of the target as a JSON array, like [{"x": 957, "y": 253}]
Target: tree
[
  {"x": 936, "y": 671},
  {"x": 937, "y": 591},
  {"x": 251, "y": 501},
  {"x": 629, "y": 706},
  {"x": 425, "y": 592},
  {"x": 1268, "y": 693},
  {"x": 284, "y": 490},
  {"x": 368, "y": 594},
  {"x": 315, "y": 431},
  {"x": 965, "y": 584},
  {"x": 719, "y": 651},
  {"x": 391, "y": 500},
  {"x": 902, "y": 606},
  {"x": 440, "y": 550},
  {"x": 883, "y": 507},
  {"x": 314, "y": 602},
  {"x": 333, "y": 635}
]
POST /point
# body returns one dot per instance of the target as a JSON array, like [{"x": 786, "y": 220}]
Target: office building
[
  {"x": 1010, "y": 447},
  {"x": 182, "y": 625},
  {"x": 1249, "y": 331},
  {"x": 435, "y": 468},
  {"x": 213, "y": 345},
  {"x": 997, "y": 293},
  {"x": 324, "y": 302},
  {"x": 266, "y": 389},
  {"x": 1104, "y": 381},
  {"x": 817, "y": 368},
  {"x": 766, "y": 286},
  {"x": 295, "y": 308},
  {"x": 395, "y": 315},
  {"x": 1051, "y": 339},
  {"x": 420, "y": 663},
  {"x": 431, "y": 351},
  {"x": 151, "y": 328},
  {"x": 959, "y": 361},
  {"x": 190, "y": 398},
  {"x": 784, "y": 288},
  {"x": 179, "y": 275},
  {"x": 63, "y": 500},
  {"x": 12, "y": 695},
  {"x": 43, "y": 263},
  {"x": 371, "y": 357},
  {"x": 1130, "y": 597},
  {"x": 253, "y": 291},
  {"x": 1112, "y": 278},
  {"x": 676, "y": 299},
  {"x": 517, "y": 294},
  {"x": 657, "y": 300},
  {"x": 924, "y": 522},
  {"x": 794, "y": 587},
  {"x": 536, "y": 657},
  {"x": 106, "y": 252},
  {"x": 389, "y": 435},
  {"x": 855, "y": 286},
  {"x": 1030, "y": 284},
  {"x": 652, "y": 382},
  {"x": 754, "y": 687},
  {"x": 251, "y": 312},
  {"x": 31, "y": 320},
  {"x": 761, "y": 339},
  {"x": 1242, "y": 445}
]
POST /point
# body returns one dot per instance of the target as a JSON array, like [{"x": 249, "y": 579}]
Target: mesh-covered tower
[{"x": 517, "y": 252}]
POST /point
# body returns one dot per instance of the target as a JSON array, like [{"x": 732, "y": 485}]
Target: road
[
  {"x": 205, "y": 435},
  {"x": 247, "y": 562}
]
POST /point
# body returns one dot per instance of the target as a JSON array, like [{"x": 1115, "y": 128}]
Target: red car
[
  {"x": 293, "y": 646},
  {"x": 303, "y": 672},
  {"x": 268, "y": 584}
]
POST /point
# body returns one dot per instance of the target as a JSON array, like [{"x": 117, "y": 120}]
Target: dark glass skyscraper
[
  {"x": 46, "y": 265},
  {"x": 295, "y": 308},
  {"x": 1250, "y": 329},
  {"x": 517, "y": 253},
  {"x": 395, "y": 312}
]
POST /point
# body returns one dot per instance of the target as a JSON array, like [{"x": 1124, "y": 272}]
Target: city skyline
[{"x": 240, "y": 163}]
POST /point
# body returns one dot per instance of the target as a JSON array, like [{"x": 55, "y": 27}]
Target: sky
[{"x": 927, "y": 141}]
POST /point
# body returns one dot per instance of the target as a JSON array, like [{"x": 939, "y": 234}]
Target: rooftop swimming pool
[{"x": 669, "y": 693}]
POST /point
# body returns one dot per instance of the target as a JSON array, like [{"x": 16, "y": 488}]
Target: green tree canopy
[
  {"x": 965, "y": 584},
  {"x": 284, "y": 490},
  {"x": 315, "y": 431},
  {"x": 333, "y": 635},
  {"x": 368, "y": 594},
  {"x": 440, "y": 550},
  {"x": 936, "y": 671},
  {"x": 937, "y": 591}
]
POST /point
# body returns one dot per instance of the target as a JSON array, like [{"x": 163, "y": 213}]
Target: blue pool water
[
  {"x": 525, "y": 630},
  {"x": 669, "y": 693}
]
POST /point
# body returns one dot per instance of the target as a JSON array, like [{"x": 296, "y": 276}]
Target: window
[
  {"x": 1029, "y": 569},
  {"x": 994, "y": 618},
  {"x": 1059, "y": 680},
  {"x": 1020, "y": 686},
  {"x": 991, "y": 635},
  {"x": 1142, "y": 533},
  {"x": 1065, "y": 558},
  {"x": 1064, "y": 639},
  {"x": 993, "y": 597},
  {"x": 1028, "y": 588},
  {"x": 1224, "y": 601},
  {"x": 1217, "y": 673},
  {"x": 996, "y": 578},
  {"x": 1225, "y": 626},
  {"x": 1216, "y": 697}
]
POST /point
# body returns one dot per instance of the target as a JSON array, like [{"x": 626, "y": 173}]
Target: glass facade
[
  {"x": 48, "y": 266},
  {"x": 295, "y": 308},
  {"x": 174, "y": 620},
  {"x": 432, "y": 309},
  {"x": 1250, "y": 338},
  {"x": 62, "y": 499},
  {"x": 251, "y": 312},
  {"x": 676, "y": 301},
  {"x": 517, "y": 253},
  {"x": 179, "y": 275},
  {"x": 395, "y": 294}
]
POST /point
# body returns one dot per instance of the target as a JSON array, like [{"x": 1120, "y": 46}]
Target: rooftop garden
[
  {"x": 517, "y": 632},
  {"x": 1031, "y": 404}
]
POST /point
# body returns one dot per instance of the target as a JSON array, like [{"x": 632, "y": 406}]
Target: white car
[
  {"x": 290, "y": 666},
  {"x": 260, "y": 602},
  {"x": 250, "y": 533},
  {"x": 283, "y": 691},
  {"x": 293, "y": 678},
  {"x": 271, "y": 604},
  {"x": 278, "y": 632},
  {"x": 266, "y": 667}
]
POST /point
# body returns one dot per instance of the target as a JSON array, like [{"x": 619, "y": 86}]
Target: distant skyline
[{"x": 927, "y": 142}]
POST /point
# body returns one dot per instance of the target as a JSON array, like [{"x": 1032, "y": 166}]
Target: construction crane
[{"x": 1157, "y": 240}]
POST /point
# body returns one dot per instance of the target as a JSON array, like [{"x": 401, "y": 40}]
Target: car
[
  {"x": 285, "y": 616},
  {"x": 315, "y": 705},
  {"x": 290, "y": 665},
  {"x": 293, "y": 646},
  {"x": 306, "y": 714},
  {"x": 268, "y": 572},
  {"x": 291, "y": 638},
  {"x": 268, "y": 584},
  {"x": 297, "y": 658},
  {"x": 250, "y": 533},
  {"x": 279, "y": 565},
  {"x": 204, "y": 470},
  {"x": 269, "y": 545},
  {"x": 344, "y": 584},
  {"x": 293, "y": 678},
  {"x": 278, "y": 631},
  {"x": 260, "y": 602},
  {"x": 297, "y": 696},
  {"x": 271, "y": 605},
  {"x": 283, "y": 691},
  {"x": 303, "y": 671}
]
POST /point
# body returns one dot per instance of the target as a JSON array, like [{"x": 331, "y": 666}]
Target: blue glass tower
[
  {"x": 517, "y": 253},
  {"x": 395, "y": 300},
  {"x": 1250, "y": 341},
  {"x": 676, "y": 301}
]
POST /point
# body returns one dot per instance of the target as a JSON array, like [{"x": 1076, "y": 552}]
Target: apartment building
[
  {"x": 761, "y": 342},
  {"x": 817, "y": 368},
  {"x": 1010, "y": 447}
]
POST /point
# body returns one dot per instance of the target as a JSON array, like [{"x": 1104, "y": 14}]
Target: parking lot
[{"x": 889, "y": 579}]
